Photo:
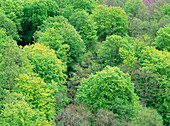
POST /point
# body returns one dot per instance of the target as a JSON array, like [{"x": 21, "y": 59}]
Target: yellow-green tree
[
  {"x": 16, "y": 111},
  {"x": 47, "y": 65},
  {"x": 37, "y": 94}
]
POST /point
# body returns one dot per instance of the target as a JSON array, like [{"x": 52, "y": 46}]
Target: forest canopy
[{"x": 85, "y": 62}]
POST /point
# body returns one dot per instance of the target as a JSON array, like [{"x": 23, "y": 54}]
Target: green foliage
[
  {"x": 148, "y": 117},
  {"x": 120, "y": 3},
  {"x": 133, "y": 7},
  {"x": 109, "y": 89},
  {"x": 109, "y": 20},
  {"x": 52, "y": 37},
  {"x": 60, "y": 95},
  {"x": 34, "y": 14},
  {"x": 14, "y": 10},
  {"x": 85, "y": 25},
  {"x": 114, "y": 50},
  {"x": 82, "y": 70},
  {"x": 16, "y": 111},
  {"x": 166, "y": 9},
  {"x": 70, "y": 36},
  {"x": 87, "y": 5},
  {"x": 9, "y": 26},
  {"x": 162, "y": 41},
  {"x": 37, "y": 94},
  {"x": 159, "y": 62},
  {"x": 13, "y": 62},
  {"x": 47, "y": 65},
  {"x": 146, "y": 86}
]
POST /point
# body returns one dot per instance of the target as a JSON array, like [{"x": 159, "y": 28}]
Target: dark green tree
[{"x": 34, "y": 14}]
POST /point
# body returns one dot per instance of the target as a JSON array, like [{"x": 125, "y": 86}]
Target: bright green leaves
[
  {"x": 109, "y": 21},
  {"x": 109, "y": 89},
  {"x": 14, "y": 10},
  {"x": 70, "y": 36},
  {"x": 87, "y": 5},
  {"x": 47, "y": 65},
  {"x": 162, "y": 41},
  {"x": 37, "y": 94},
  {"x": 16, "y": 111}
]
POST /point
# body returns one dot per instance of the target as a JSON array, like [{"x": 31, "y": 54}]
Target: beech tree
[
  {"x": 39, "y": 97},
  {"x": 114, "y": 50},
  {"x": 158, "y": 62}
]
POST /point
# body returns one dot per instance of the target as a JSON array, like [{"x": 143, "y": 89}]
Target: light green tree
[
  {"x": 47, "y": 65},
  {"x": 162, "y": 40},
  {"x": 37, "y": 94},
  {"x": 109, "y": 89},
  {"x": 52, "y": 37},
  {"x": 109, "y": 21},
  {"x": 70, "y": 36},
  {"x": 16, "y": 111}
]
